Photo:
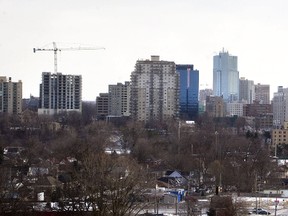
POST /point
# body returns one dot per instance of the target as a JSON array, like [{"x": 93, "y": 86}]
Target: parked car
[
  {"x": 263, "y": 212},
  {"x": 260, "y": 211}
]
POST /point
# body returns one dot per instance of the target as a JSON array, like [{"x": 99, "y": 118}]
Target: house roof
[{"x": 47, "y": 181}]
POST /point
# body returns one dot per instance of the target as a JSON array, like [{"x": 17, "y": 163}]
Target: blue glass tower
[
  {"x": 226, "y": 76},
  {"x": 189, "y": 89}
]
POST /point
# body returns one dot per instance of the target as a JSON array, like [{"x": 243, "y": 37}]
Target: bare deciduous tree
[{"x": 106, "y": 185}]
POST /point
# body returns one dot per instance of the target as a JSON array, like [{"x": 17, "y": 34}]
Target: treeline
[{"x": 220, "y": 153}]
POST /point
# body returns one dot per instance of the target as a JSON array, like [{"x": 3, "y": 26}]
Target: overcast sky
[{"x": 183, "y": 31}]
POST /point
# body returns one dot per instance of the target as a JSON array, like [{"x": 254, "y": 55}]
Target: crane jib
[{"x": 55, "y": 49}]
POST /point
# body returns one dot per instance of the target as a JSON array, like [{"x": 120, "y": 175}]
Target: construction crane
[{"x": 56, "y": 49}]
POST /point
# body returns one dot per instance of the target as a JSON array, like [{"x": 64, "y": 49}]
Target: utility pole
[
  {"x": 179, "y": 136},
  {"x": 256, "y": 193},
  {"x": 218, "y": 157},
  {"x": 156, "y": 200}
]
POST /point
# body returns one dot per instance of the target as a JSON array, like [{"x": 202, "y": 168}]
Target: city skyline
[{"x": 186, "y": 32}]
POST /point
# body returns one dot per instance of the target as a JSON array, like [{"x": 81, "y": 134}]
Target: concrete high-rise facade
[
  {"x": 203, "y": 93},
  {"x": 226, "y": 77},
  {"x": 189, "y": 91},
  {"x": 215, "y": 106},
  {"x": 280, "y": 107},
  {"x": 102, "y": 106},
  {"x": 246, "y": 91},
  {"x": 60, "y": 93},
  {"x": 234, "y": 109},
  {"x": 262, "y": 93},
  {"x": 154, "y": 90},
  {"x": 119, "y": 99},
  {"x": 10, "y": 96},
  {"x": 256, "y": 109}
]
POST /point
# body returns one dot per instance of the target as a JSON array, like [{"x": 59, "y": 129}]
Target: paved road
[{"x": 281, "y": 212}]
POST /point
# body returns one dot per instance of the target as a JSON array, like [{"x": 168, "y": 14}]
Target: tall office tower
[
  {"x": 102, "y": 106},
  {"x": 189, "y": 91},
  {"x": 60, "y": 93},
  {"x": 262, "y": 93},
  {"x": 154, "y": 90},
  {"x": 280, "y": 107},
  {"x": 10, "y": 96},
  {"x": 119, "y": 99},
  {"x": 225, "y": 77},
  {"x": 246, "y": 91}
]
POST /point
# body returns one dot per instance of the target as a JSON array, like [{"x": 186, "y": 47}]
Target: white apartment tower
[
  {"x": 10, "y": 96},
  {"x": 226, "y": 77},
  {"x": 154, "y": 90},
  {"x": 60, "y": 93},
  {"x": 119, "y": 99}
]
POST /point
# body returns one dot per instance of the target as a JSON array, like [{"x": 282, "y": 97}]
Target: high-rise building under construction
[{"x": 60, "y": 93}]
